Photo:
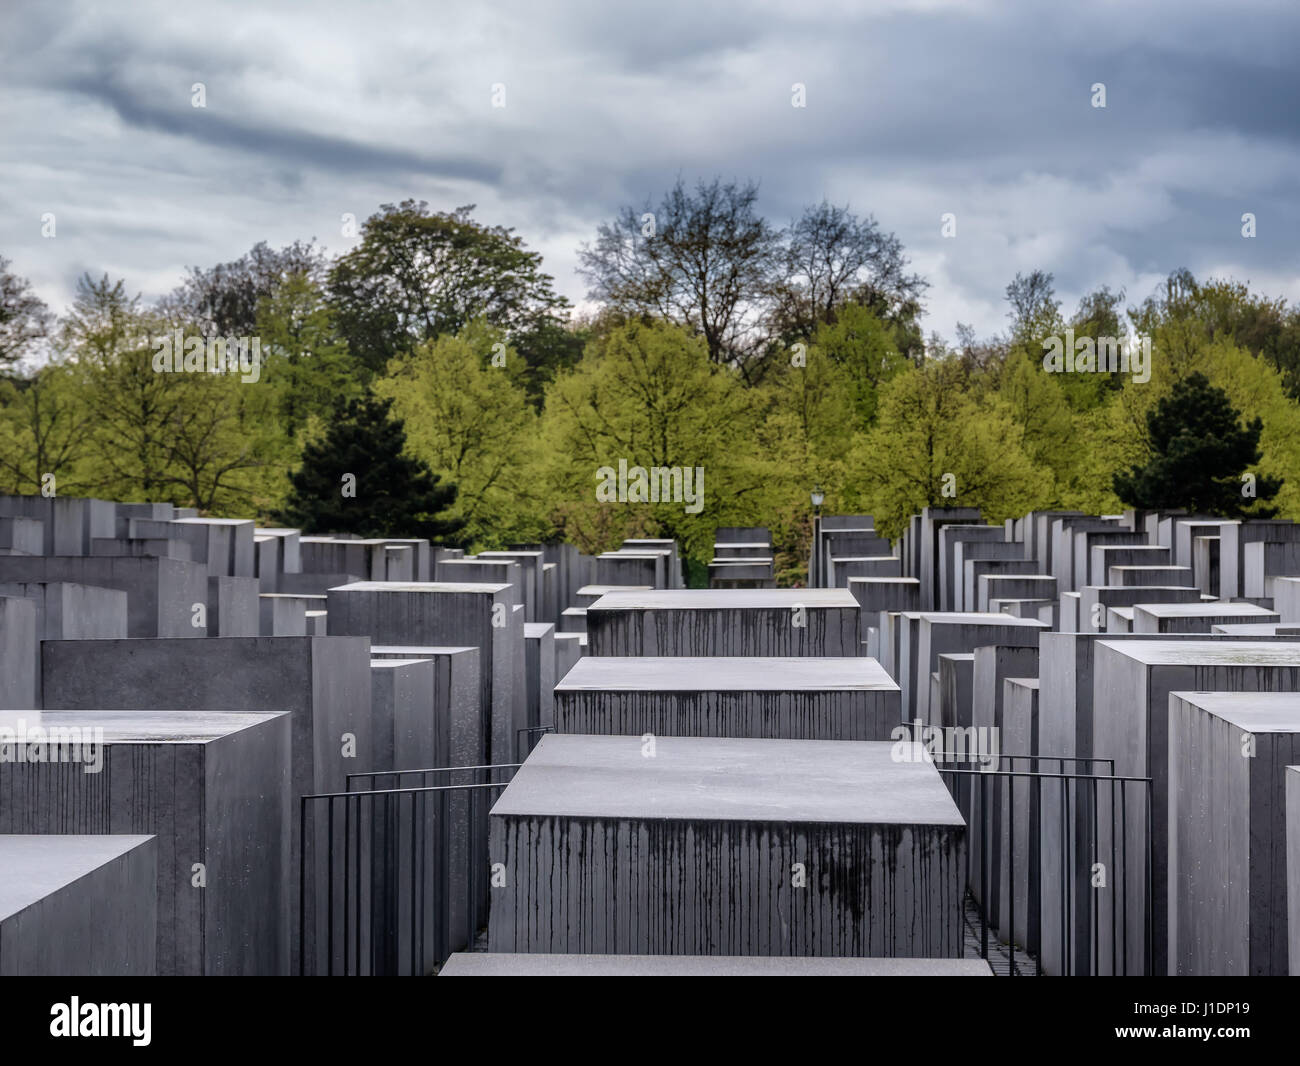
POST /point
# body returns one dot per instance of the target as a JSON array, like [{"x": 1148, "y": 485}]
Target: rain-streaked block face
[
  {"x": 663, "y": 845},
  {"x": 775, "y": 698}
]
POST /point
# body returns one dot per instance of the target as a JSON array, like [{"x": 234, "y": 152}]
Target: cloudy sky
[{"x": 914, "y": 109}]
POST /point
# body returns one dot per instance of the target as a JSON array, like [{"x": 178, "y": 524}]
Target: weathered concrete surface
[
  {"x": 19, "y": 648},
  {"x": 506, "y": 964},
  {"x": 459, "y": 742},
  {"x": 992, "y": 665},
  {"x": 539, "y": 649},
  {"x": 1017, "y": 845},
  {"x": 1132, "y": 682},
  {"x": 777, "y": 698},
  {"x": 161, "y": 592},
  {"x": 699, "y": 622},
  {"x": 1228, "y": 753},
  {"x": 232, "y": 607},
  {"x": 78, "y": 906},
  {"x": 213, "y": 789},
  {"x": 1151, "y": 575},
  {"x": 956, "y": 692},
  {"x": 446, "y": 613},
  {"x": 1094, "y": 599},
  {"x": 67, "y": 611},
  {"x": 1194, "y": 617},
  {"x": 1293, "y": 866},
  {"x": 665, "y": 841},
  {"x": 953, "y": 632}
]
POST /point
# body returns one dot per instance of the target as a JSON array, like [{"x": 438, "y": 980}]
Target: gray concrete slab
[
  {"x": 507, "y": 964},
  {"x": 694, "y": 622},
  {"x": 1132, "y": 682},
  {"x": 56, "y": 893},
  {"x": 1195, "y": 617},
  {"x": 438, "y": 613},
  {"x": 19, "y": 648},
  {"x": 666, "y": 838},
  {"x": 799, "y": 698},
  {"x": 214, "y": 790},
  {"x": 1228, "y": 753}
]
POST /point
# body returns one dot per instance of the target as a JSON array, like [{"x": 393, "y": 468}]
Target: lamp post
[{"x": 815, "y": 578}]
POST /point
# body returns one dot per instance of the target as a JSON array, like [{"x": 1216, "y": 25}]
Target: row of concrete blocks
[
  {"x": 725, "y": 788},
  {"x": 219, "y": 788},
  {"x": 1214, "y": 723},
  {"x": 742, "y": 559}
]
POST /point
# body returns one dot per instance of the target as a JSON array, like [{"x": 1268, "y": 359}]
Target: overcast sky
[{"x": 913, "y": 110}]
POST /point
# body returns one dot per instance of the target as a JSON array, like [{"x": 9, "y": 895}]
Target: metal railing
[
  {"x": 1058, "y": 863},
  {"x": 392, "y": 880}
]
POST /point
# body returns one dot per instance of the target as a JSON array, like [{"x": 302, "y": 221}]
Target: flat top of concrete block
[
  {"x": 1203, "y": 609},
  {"x": 576, "y": 612},
  {"x": 996, "y": 618},
  {"x": 959, "y": 656},
  {"x": 36, "y": 865},
  {"x": 1021, "y": 682},
  {"x": 1254, "y": 629},
  {"x": 666, "y": 542},
  {"x": 418, "y": 650},
  {"x": 1017, "y": 577},
  {"x": 1208, "y": 652},
  {"x": 726, "y": 674},
  {"x": 138, "y": 727},
  {"x": 864, "y": 558},
  {"x": 421, "y": 586},
  {"x": 621, "y": 554},
  {"x": 1123, "y": 612},
  {"x": 885, "y": 580},
  {"x": 292, "y": 596},
  {"x": 537, "y": 630},
  {"x": 393, "y": 664},
  {"x": 729, "y": 779},
  {"x": 722, "y": 599},
  {"x": 1126, "y": 569},
  {"x": 581, "y": 638},
  {"x": 1254, "y": 712},
  {"x": 601, "y": 590},
  {"x": 212, "y": 521},
  {"x": 537, "y": 964},
  {"x": 741, "y": 544},
  {"x": 275, "y": 531},
  {"x": 511, "y": 555}
]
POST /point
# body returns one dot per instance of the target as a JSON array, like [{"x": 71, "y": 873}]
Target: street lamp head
[{"x": 817, "y": 496}]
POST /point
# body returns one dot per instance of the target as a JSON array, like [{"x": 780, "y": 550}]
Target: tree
[
  {"x": 934, "y": 445},
  {"x": 701, "y": 259},
  {"x": 225, "y": 300},
  {"x": 306, "y": 361},
  {"x": 831, "y": 258},
  {"x": 24, "y": 318},
  {"x": 417, "y": 275},
  {"x": 648, "y": 393},
  {"x": 470, "y": 420},
  {"x": 46, "y": 427},
  {"x": 358, "y": 479},
  {"x": 1199, "y": 452},
  {"x": 864, "y": 346},
  {"x": 1035, "y": 311}
]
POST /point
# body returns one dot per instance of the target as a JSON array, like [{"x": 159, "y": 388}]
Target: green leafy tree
[
  {"x": 358, "y": 479},
  {"x": 465, "y": 405},
  {"x": 1199, "y": 453},
  {"x": 417, "y": 275},
  {"x": 935, "y": 445}
]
